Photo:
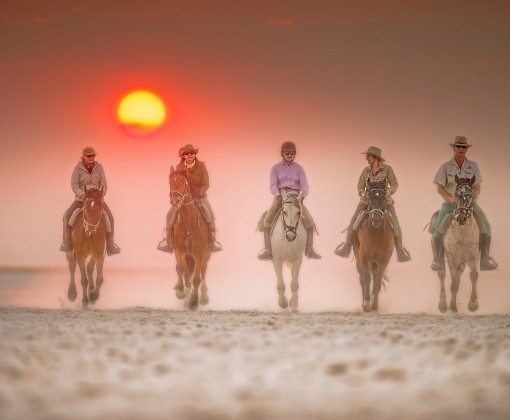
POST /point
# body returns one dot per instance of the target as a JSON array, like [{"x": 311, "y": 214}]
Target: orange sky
[{"x": 239, "y": 79}]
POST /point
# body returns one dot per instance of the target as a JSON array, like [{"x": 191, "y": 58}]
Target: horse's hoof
[
  {"x": 180, "y": 294},
  {"x": 442, "y": 307},
  {"x": 204, "y": 300},
  {"x": 473, "y": 306},
  {"x": 282, "y": 301},
  {"x": 71, "y": 296},
  {"x": 366, "y": 307},
  {"x": 193, "y": 304}
]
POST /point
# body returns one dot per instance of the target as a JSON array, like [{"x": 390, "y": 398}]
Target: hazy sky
[{"x": 239, "y": 78}]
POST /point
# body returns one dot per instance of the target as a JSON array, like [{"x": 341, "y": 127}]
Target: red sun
[{"x": 141, "y": 113}]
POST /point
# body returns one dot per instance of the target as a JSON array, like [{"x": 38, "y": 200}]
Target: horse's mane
[{"x": 377, "y": 185}]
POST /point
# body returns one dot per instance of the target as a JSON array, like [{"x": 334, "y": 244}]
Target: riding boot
[
  {"x": 344, "y": 249},
  {"x": 267, "y": 253},
  {"x": 486, "y": 261},
  {"x": 309, "y": 252},
  {"x": 111, "y": 246},
  {"x": 438, "y": 263},
  {"x": 167, "y": 243},
  {"x": 213, "y": 243},
  {"x": 402, "y": 253},
  {"x": 67, "y": 245}
]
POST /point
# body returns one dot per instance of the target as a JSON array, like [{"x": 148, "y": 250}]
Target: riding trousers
[
  {"x": 363, "y": 206},
  {"x": 481, "y": 219},
  {"x": 277, "y": 204},
  {"x": 77, "y": 204},
  {"x": 207, "y": 213}
]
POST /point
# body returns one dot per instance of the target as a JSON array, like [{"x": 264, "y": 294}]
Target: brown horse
[
  {"x": 89, "y": 242},
  {"x": 191, "y": 242},
  {"x": 373, "y": 245}
]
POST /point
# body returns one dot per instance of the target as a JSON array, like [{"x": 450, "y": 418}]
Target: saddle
[{"x": 363, "y": 213}]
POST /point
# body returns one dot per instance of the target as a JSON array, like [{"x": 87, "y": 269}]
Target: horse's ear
[
  {"x": 85, "y": 189},
  {"x": 472, "y": 180},
  {"x": 284, "y": 195},
  {"x": 457, "y": 179},
  {"x": 300, "y": 196},
  {"x": 172, "y": 170}
]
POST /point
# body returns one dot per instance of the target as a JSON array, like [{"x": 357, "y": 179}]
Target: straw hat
[
  {"x": 374, "y": 151},
  {"x": 460, "y": 141}
]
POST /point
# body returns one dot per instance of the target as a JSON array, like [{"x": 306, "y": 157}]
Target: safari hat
[
  {"x": 187, "y": 148},
  {"x": 460, "y": 141},
  {"x": 374, "y": 151},
  {"x": 88, "y": 151}
]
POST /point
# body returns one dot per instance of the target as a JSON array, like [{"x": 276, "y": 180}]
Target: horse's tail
[{"x": 190, "y": 262}]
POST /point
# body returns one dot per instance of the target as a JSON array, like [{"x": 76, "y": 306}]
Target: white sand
[{"x": 153, "y": 363}]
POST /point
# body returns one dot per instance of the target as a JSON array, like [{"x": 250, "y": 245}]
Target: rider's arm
[
  {"x": 476, "y": 190},
  {"x": 441, "y": 189}
]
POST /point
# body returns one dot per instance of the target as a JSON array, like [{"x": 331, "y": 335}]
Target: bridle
[
  {"x": 288, "y": 228},
  {"x": 91, "y": 228},
  {"x": 376, "y": 215},
  {"x": 464, "y": 202},
  {"x": 185, "y": 199}
]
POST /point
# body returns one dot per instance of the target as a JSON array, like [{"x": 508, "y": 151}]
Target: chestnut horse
[
  {"x": 89, "y": 242},
  {"x": 191, "y": 242},
  {"x": 288, "y": 241},
  {"x": 373, "y": 245},
  {"x": 461, "y": 245}
]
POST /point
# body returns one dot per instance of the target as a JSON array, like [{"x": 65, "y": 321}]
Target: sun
[{"x": 141, "y": 113}]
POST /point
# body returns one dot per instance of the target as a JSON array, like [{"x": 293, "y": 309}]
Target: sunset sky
[{"x": 239, "y": 78}]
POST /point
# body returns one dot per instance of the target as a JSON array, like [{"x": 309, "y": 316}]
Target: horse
[
  {"x": 373, "y": 245},
  {"x": 89, "y": 244},
  {"x": 191, "y": 242},
  {"x": 288, "y": 240},
  {"x": 461, "y": 245}
]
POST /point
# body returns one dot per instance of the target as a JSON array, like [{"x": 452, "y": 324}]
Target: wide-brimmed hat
[
  {"x": 187, "y": 148},
  {"x": 374, "y": 151},
  {"x": 88, "y": 151},
  {"x": 460, "y": 141}
]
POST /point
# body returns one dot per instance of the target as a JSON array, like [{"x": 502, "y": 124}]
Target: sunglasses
[
  {"x": 289, "y": 153},
  {"x": 90, "y": 156},
  {"x": 188, "y": 153},
  {"x": 460, "y": 147}
]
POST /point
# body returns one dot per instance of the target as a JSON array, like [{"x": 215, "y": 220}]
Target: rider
[
  {"x": 288, "y": 175},
  {"x": 376, "y": 171},
  {"x": 87, "y": 173},
  {"x": 461, "y": 166},
  {"x": 198, "y": 179}
]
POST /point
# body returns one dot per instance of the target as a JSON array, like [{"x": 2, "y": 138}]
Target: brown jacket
[
  {"x": 384, "y": 173},
  {"x": 198, "y": 178}
]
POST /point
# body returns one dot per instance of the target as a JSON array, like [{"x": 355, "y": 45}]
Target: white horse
[
  {"x": 461, "y": 246},
  {"x": 288, "y": 241}
]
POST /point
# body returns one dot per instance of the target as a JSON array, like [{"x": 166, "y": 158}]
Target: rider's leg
[
  {"x": 111, "y": 246},
  {"x": 67, "y": 245},
  {"x": 438, "y": 263},
  {"x": 402, "y": 253},
  {"x": 167, "y": 243},
  {"x": 486, "y": 261},
  {"x": 213, "y": 243},
  {"x": 310, "y": 226},
  {"x": 344, "y": 249},
  {"x": 266, "y": 253}
]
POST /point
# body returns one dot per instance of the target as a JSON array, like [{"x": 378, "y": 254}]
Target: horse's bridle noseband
[
  {"x": 376, "y": 212},
  {"x": 91, "y": 228},
  {"x": 289, "y": 229}
]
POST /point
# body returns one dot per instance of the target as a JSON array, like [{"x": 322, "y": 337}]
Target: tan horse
[
  {"x": 89, "y": 243},
  {"x": 461, "y": 246},
  {"x": 373, "y": 246},
  {"x": 288, "y": 241},
  {"x": 191, "y": 243}
]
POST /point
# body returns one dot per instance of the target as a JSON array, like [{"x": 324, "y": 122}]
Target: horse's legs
[
  {"x": 94, "y": 293},
  {"x": 364, "y": 279},
  {"x": 280, "y": 285},
  {"x": 180, "y": 292},
  {"x": 443, "y": 306},
  {"x": 71, "y": 291},
  {"x": 455, "y": 276},
  {"x": 377, "y": 287},
  {"x": 204, "y": 297},
  {"x": 473, "y": 302},
  {"x": 197, "y": 278},
  {"x": 294, "y": 285},
  {"x": 84, "y": 283}
]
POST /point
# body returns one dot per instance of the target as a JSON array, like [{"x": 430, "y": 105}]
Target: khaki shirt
[
  {"x": 198, "y": 178},
  {"x": 384, "y": 173},
  {"x": 446, "y": 173}
]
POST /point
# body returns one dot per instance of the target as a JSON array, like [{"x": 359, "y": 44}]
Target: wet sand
[{"x": 154, "y": 363}]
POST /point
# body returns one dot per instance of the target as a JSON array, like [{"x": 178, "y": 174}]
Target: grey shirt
[{"x": 446, "y": 174}]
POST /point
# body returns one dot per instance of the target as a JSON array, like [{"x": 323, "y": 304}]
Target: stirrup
[
  {"x": 163, "y": 246},
  {"x": 341, "y": 251},
  {"x": 488, "y": 265},
  {"x": 215, "y": 246},
  {"x": 264, "y": 255},
  {"x": 403, "y": 255},
  {"x": 437, "y": 266},
  {"x": 66, "y": 246},
  {"x": 112, "y": 249}
]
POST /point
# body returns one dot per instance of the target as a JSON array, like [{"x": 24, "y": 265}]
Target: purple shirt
[{"x": 288, "y": 176}]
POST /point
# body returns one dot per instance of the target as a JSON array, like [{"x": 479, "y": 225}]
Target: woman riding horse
[
  {"x": 376, "y": 171},
  {"x": 87, "y": 173}
]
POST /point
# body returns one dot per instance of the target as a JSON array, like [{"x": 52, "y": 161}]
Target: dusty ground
[{"x": 152, "y": 363}]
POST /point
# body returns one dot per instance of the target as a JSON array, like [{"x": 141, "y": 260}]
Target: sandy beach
[{"x": 152, "y": 363}]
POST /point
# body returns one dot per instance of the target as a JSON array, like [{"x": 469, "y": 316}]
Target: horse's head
[
  {"x": 376, "y": 202},
  {"x": 92, "y": 209},
  {"x": 179, "y": 186},
  {"x": 464, "y": 199},
  {"x": 291, "y": 213}
]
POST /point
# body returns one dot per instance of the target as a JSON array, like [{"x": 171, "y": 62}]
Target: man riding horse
[
  {"x": 289, "y": 176},
  {"x": 375, "y": 171},
  {"x": 462, "y": 167}
]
